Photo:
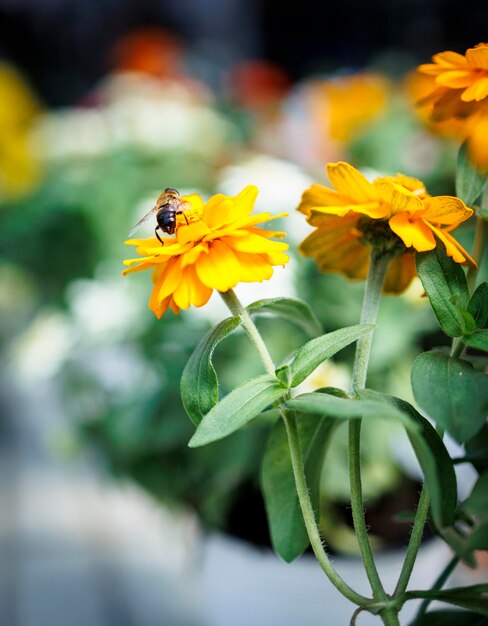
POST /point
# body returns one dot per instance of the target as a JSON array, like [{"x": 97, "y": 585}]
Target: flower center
[{"x": 378, "y": 234}]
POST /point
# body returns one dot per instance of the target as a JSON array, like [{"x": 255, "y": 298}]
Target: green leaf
[
  {"x": 478, "y": 305},
  {"x": 450, "y": 618},
  {"x": 469, "y": 181},
  {"x": 479, "y": 340},
  {"x": 445, "y": 284},
  {"x": 474, "y": 598},
  {"x": 283, "y": 374},
  {"x": 287, "y": 528},
  {"x": 433, "y": 457},
  {"x": 477, "y": 503},
  {"x": 199, "y": 386},
  {"x": 237, "y": 409},
  {"x": 347, "y": 408},
  {"x": 477, "y": 449},
  {"x": 316, "y": 351},
  {"x": 451, "y": 392},
  {"x": 292, "y": 309},
  {"x": 478, "y": 540}
]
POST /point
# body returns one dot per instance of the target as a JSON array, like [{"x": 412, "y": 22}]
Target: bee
[{"x": 168, "y": 205}]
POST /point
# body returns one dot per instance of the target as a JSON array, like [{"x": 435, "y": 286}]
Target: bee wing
[
  {"x": 183, "y": 205},
  {"x": 143, "y": 220}
]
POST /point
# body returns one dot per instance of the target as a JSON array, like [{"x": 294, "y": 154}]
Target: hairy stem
[
  {"x": 237, "y": 309},
  {"x": 414, "y": 543},
  {"x": 372, "y": 295}
]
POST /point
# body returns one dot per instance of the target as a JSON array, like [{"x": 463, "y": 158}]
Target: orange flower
[
  {"x": 459, "y": 91},
  {"x": 393, "y": 213},
  {"x": 219, "y": 247}
]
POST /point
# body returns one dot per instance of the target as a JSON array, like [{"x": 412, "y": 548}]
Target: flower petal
[
  {"x": 453, "y": 248},
  {"x": 412, "y": 231},
  {"x": 349, "y": 182},
  {"x": 320, "y": 196},
  {"x": 400, "y": 273},
  {"x": 478, "y": 90},
  {"x": 219, "y": 269},
  {"x": 445, "y": 210},
  {"x": 191, "y": 290},
  {"x": 449, "y": 58},
  {"x": 478, "y": 57},
  {"x": 254, "y": 243},
  {"x": 456, "y": 79},
  {"x": 399, "y": 199},
  {"x": 253, "y": 267}
]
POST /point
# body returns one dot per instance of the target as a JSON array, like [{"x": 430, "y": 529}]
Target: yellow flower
[
  {"x": 19, "y": 170},
  {"x": 458, "y": 92},
  {"x": 219, "y": 247},
  {"x": 393, "y": 213}
]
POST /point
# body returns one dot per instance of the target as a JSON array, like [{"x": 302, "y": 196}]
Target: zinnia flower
[
  {"x": 459, "y": 90},
  {"x": 219, "y": 247},
  {"x": 394, "y": 214}
]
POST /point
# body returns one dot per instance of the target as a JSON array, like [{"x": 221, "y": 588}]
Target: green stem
[
  {"x": 439, "y": 583},
  {"x": 377, "y": 271},
  {"x": 236, "y": 308},
  {"x": 414, "y": 543},
  {"x": 308, "y": 513}
]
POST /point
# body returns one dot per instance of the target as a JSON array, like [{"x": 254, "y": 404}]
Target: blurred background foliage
[{"x": 166, "y": 110}]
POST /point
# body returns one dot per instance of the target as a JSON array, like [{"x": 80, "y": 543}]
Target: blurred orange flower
[
  {"x": 344, "y": 106},
  {"x": 456, "y": 92},
  {"x": 394, "y": 214}
]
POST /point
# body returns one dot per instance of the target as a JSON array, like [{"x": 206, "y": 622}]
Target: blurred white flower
[
  {"x": 38, "y": 353},
  {"x": 280, "y": 185},
  {"x": 106, "y": 310}
]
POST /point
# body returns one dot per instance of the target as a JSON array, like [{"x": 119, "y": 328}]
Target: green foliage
[
  {"x": 452, "y": 392},
  {"x": 477, "y": 503},
  {"x": 469, "y": 181},
  {"x": 445, "y": 284},
  {"x": 237, "y": 408},
  {"x": 474, "y": 598},
  {"x": 348, "y": 408},
  {"x": 292, "y": 309},
  {"x": 316, "y": 351},
  {"x": 199, "y": 385},
  {"x": 288, "y": 533},
  {"x": 450, "y": 618},
  {"x": 432, "y": 456},
  {"x": 478, "y": 340},
  {"x": 478, "y": 305}
]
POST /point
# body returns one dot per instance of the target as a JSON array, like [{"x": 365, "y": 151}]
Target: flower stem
[
  {"x": 308, "y": 513},
  {"x": 414, "y": 543},
  {"x": 376, "y": 275},
  {"x": 236, "y": 308}
]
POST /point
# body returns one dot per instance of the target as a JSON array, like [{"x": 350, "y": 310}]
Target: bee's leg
[
  {"x": 157, "y": 235},
  {"x": 186, "y": 219}
]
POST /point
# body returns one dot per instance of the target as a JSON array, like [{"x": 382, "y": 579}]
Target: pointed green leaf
[
  {"x": 450, "y": 618},
  {"x": 237, "y": 409},
  {"x": 478, "y": 305},
  {"x": 477, "y": 503},
  {"x": 478, "y": 340},
  {"x": 292, "y": 309},
  {"x": 287, "y": 528},
  {"x": 433, "y": 457},
  {"x": 478, "y": 539},
  {"x": 347, "y": 408},
  {"x": 283, "y": 374},
  {"x": 469, "y": 181},
  {"x": 451, "y": 392},
  {"x": 199, "y": 385},
  {"x": 316, "y": 351},
  {"x": 445, "y": 284},
  {"x": 474, "y": 598}
]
